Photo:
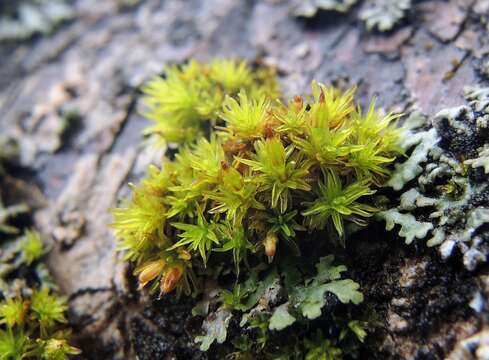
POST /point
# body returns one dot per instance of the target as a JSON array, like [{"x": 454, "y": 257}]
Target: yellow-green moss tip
[{"x": 190, "y": 96}]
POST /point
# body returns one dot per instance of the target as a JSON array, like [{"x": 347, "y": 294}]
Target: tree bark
[{"x": 87, "y": 75}]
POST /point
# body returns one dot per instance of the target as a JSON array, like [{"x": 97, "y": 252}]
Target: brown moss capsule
[
  {"x": 322, "y": 97},
  {"x": 224, "y": 165},
  {"x": 298, "y": 103},
  {"x": 150, "y": 271},
  {"x": 233, "y": 147},
  {"x": 172, "y": 277},
  {"x": 270, "y": 244},
  {"x": 184, "y": 255},
  {"x": 268, "y": 132}
]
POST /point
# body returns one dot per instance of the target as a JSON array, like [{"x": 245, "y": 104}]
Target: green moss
[
  {"x": 191, "y": 96},
  {"x": 32, "y": 328},
  {"x": 346, "y": 345},
  {"x": 32, "y": 317},
  {"x": 32, "y": 314},
  {"x": 13, "y": 345},
  {"x": 31, "y": 246},
  {"x": 255, "y": 184}
]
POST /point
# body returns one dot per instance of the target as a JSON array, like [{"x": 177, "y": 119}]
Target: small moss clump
[
  {"x": 31, "y": 328},
  {"x": 258, "y": 192},
  {"x": 32, "y": 315},
  {"x": 190, "y": 97}
]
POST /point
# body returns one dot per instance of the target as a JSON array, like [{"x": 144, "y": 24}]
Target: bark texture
[{"x": 72, "y": 101}]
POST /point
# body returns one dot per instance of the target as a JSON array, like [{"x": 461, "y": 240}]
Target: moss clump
[
  {"x": 255, "y": 184},
  {"x": 32, "y": 315},
  {"x": 31, "y": 328},
  {"x": 191, "y": 96}
]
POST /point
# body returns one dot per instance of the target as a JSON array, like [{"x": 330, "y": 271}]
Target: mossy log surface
[{"x": 71, "y": 99}]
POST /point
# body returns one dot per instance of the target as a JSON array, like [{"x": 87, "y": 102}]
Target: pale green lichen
[
  {"x": 281, "y": 318},
  {"x": 309, "y": 8},
  {"x": 410, "y": 227},
  {"x": 22, "y": 19},
  {"x": 383, "y": 15},
  {"x": 215, "y": 328},
  {"x": 479, "y": 99},
  {"x": 411, "y": 168},
  {"x": 443, "y": 195},
  {"x": 482, "y": 160},
  {"x": 412, "y": 199},
  {"x": 307, "y": 300}
]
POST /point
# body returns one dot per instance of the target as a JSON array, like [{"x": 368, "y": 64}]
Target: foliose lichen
[
  {"x": 309, "y": 8},
  {"x": 445, "y": 195},
  {"x": 258, "y": 192},
  {"x": 22, "y": 19},
  {"x": 383, "y": 15},
  {"x": 8, "y": 154},
  {"x": 380, "y": 15}
]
